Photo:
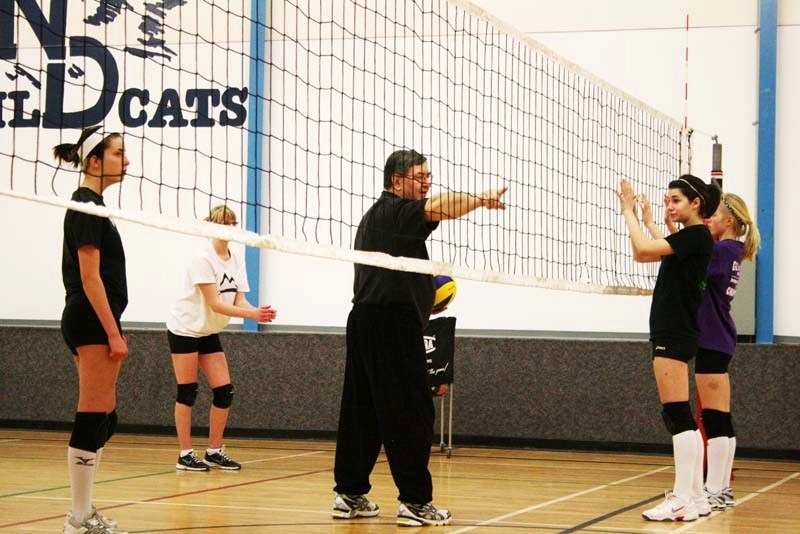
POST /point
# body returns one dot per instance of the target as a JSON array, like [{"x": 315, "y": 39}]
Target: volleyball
[{"x": 445, "y": 288}]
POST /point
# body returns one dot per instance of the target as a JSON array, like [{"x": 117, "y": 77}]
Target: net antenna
[{"x": 345, "y": 83}]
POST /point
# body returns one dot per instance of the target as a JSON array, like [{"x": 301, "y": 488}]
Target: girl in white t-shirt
[{"x": 213, "y": 292}]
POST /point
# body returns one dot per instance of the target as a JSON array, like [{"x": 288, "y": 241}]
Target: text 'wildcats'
[{"x": 136, "y": 106}]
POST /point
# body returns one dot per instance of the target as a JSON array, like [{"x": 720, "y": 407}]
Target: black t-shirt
[
  {"x": 395, "y": 226},
  {"x": 680, "y": 285},
  {"x": 82, "y": 229}
]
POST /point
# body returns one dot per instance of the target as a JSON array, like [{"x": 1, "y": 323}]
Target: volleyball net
[{"x": 287, "y": 110}]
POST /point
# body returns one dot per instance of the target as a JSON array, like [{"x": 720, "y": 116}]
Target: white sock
[
  {"x": 185, "y": 452},
  {"x": 717, "y": 463},
  {"x": 685, "y": 452},
  {"x": 729, "y": 465},
  {"x": 81, "y": 466},
  {"x": 697, "y": 482},
  {"x": 209, "y": 450},
  {"x": 97, "y": 459}
]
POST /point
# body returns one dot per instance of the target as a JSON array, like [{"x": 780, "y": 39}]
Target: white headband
[
  {"x": 687, "y": 182},
  {"x": 90, "y": 143}
]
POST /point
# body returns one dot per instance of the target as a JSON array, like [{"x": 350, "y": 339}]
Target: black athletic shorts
[
  {"x": 711, "y": 362},
  {"x": 188, "y": 345},
  {"x": 681, "y": 350},
  {"x": 80, "y": 325}
]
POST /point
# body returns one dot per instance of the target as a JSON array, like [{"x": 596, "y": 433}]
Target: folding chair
[{"x": 439, "y": 340}]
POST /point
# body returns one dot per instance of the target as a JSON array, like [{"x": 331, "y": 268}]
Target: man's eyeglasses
[{"x": 420, "y": 177}]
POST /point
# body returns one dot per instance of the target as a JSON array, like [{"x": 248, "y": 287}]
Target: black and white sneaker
[
  {"x": 221, "y": 460},
  {"x": 419, "y": 515},
  {"x": 190, "y": 462},
  {"x": 350, "y": 506},
  {"x": 727, "y": 495}
]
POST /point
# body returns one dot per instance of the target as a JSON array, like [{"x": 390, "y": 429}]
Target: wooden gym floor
[{"x": 285, "y": 487}]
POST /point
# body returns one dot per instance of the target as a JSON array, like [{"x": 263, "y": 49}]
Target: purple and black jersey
[{"x": 717, "y": 329}]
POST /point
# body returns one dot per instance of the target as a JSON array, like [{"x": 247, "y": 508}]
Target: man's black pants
[{"x": 386, "y": 399}]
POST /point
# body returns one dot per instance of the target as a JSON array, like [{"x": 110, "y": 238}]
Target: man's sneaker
[
  {"x": 221, "y": 460},
  {"x": 350, "y": 506},
  {"x": 715, "y": 500},
  {"x": 190, "y": 462},
  {"x": 727, "y": 494},
  {"x": 702, "y": 504},
  {"x": 418, "y": 515},
  {"x": 672, "y": 509},
  {"x": 91, "y": 526}
]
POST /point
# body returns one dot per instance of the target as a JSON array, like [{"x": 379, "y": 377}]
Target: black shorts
[
  {"x": 188, "y": 345},
  {"x": 80, "y": 325},
  {"x": 711, "y": 362},
  {"x": 681, "y": 350}
]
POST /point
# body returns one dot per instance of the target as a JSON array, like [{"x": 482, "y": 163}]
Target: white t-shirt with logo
[{"x": 190, "y": 315}]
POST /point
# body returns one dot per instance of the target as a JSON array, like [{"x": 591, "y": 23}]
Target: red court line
[{"x": 196, "y": 492}]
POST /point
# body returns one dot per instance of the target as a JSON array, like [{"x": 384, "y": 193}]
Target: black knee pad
[
  {"x": 112, "y": 425},
  {"x": 223, "y": 396},
  {"x": 729, "y": 427},
  {"x": 89, "y": 431},
  {"x": 711, "y": 362},
  {"x": 715, "y": 422},
  {"x": 678, "y": 417},
  {"x": 187, "y": 393}
]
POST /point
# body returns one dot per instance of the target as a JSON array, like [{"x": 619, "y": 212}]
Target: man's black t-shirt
[
  {"x": 395, "y": 226},
  {"x": 82, "y": 229},
  {"x": 680, "y": 285}
]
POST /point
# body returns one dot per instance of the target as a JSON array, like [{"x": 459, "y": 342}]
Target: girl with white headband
[
  {"x": 684, "y": 257},
  {"x": 93, "y": 270}
]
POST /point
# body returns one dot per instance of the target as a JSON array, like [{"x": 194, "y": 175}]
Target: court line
[
  {"x": 315, "y": 511},
  {"x": 503, "y": 517},
  {"x": 173, "y": 496},
  {"x": 739, "y": 502},
  {"x": 184, "y": 494},
  {"x": 616, "y": 512},
  {"x": 133, "y": 477}
]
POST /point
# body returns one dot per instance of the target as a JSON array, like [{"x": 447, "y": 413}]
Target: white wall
[{"x": 637, "y": 46}]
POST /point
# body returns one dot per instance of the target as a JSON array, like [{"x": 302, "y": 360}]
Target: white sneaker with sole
[
  {"x": 419, "y": 515},
  {"x": 727, "y": 494},
  {"x": 93, "y": 525},
  {"x": 350, "y": 506},
  {"x": 672, "y": 509},
  {"x": 702, "y": 504}
]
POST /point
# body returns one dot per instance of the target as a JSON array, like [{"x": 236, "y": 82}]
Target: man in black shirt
[{"x": 386, "y": 397}]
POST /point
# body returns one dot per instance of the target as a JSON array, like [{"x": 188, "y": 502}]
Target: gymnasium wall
[
  {"x": 638, "y": 46},
  {"x": 549, "y": 393}
]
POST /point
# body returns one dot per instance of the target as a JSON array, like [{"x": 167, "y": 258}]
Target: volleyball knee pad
[
  {"x": 715, "y": 422},
  {"x": 712, "y": 363},
  {"x": 89, "y": 431},
  {"x": 223, "y": 396},
  {"x": 187, "y": 393},
  {"x": 112, "y": 425},
  {"x": 678, "y": 417}
]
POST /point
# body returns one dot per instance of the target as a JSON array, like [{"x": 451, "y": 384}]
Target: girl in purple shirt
[{"x": 717, "y": 341}]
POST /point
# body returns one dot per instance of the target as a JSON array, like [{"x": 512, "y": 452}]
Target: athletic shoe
[
  {"x": 190, "y": 462},
  {"x": 715, "y": 500},
  {"x": 727, "y": 494},
  {"x": 107, "y": 521},
  {"x": 672, "y": 509},
  {"x": 90, "y": 526},
  {"x": 702, "y": 504},
  {"x": 221, "y": 460},
  {"x": 418, "y": 515},
  {"x": 350, "y": 506}
]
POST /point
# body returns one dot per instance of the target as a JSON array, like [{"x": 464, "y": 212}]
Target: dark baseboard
[{"x": 459, "y": 441}]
